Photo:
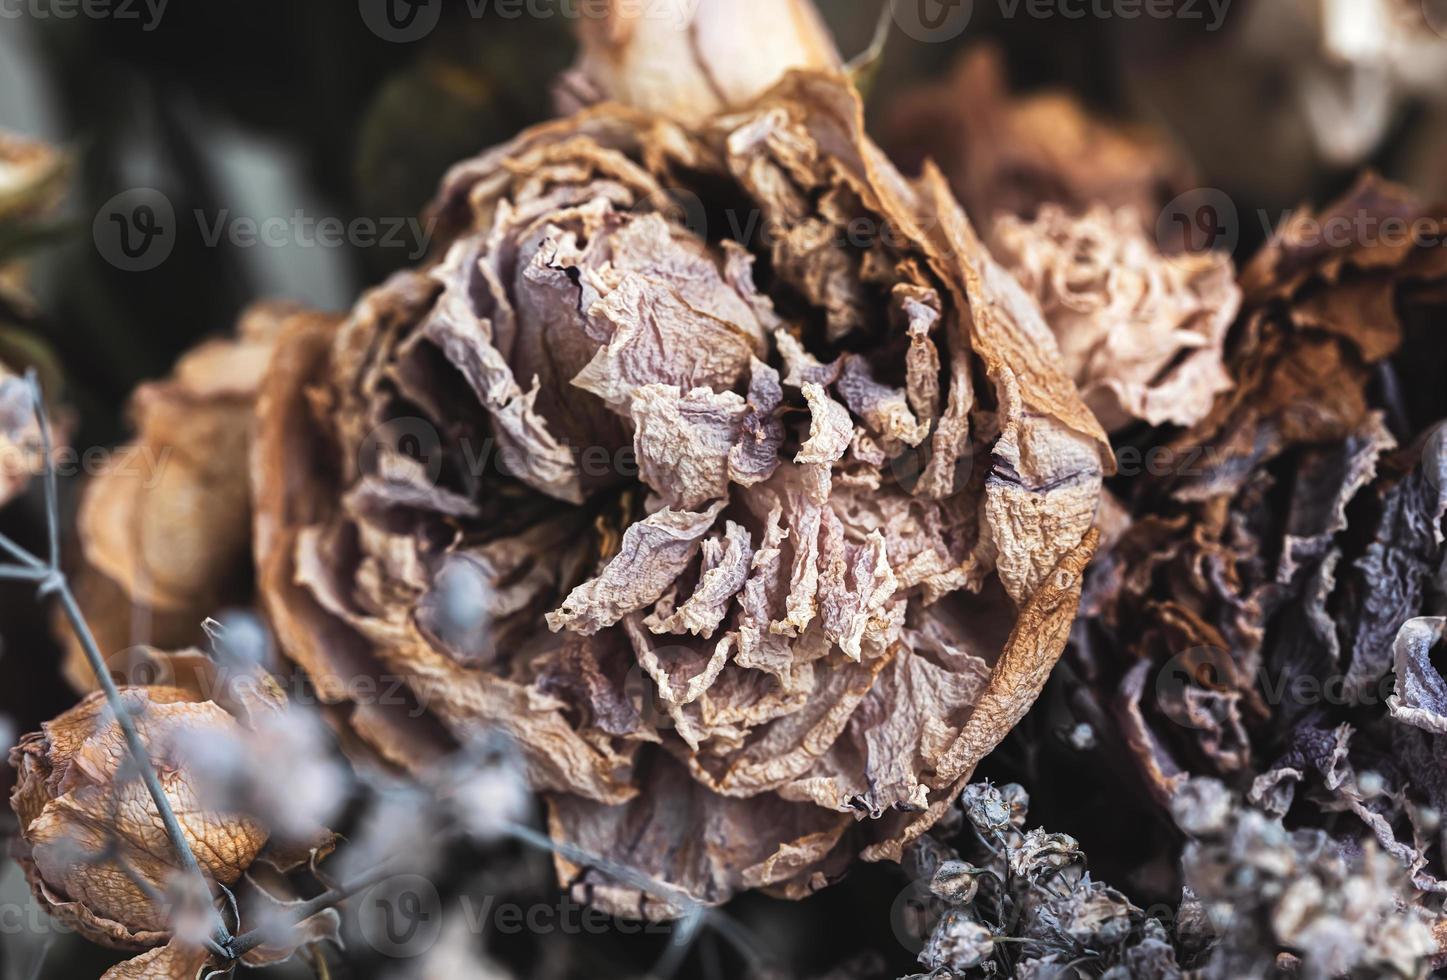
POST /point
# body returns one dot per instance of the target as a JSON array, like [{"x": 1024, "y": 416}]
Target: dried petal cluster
[
  {"x": 1270, "y": 586},
  {"x": 93, "y": 845},
  {"x": 1266, "y": 894},
  {"x": 1142, "y": 334},
  {"x": 720, "y": 466},
  {"x": 165, "y": 527}
]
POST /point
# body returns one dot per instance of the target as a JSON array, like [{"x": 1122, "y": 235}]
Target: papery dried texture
[
  {"x": 1142, "y": 334},
  {"x": 1005, "y": 153},
  {"x": 840, "y": 569},
  {"x": 1254, "y": 601},
  {"x": 165, "y": 527},
  {"x": 94, "y": 848},
  {"x": 1020, "y": 903},
  {"x": 693, "y": 59},
  {"x": 88, "y": 827}
]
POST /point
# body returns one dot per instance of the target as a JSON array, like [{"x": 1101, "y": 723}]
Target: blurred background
[{"x": 277, "y": 109}]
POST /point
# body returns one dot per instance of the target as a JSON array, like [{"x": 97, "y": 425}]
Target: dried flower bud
[
  {"x": 89, "y": 830},
  {"x": 956, "y": 882},
  {"x": 958, "y": 943},
  {"x": 1043, "y": 855},
  {"x": 767, "y": 555},
  {"x": 95, "y": 850},
  {"x": 692, "y": 59}
]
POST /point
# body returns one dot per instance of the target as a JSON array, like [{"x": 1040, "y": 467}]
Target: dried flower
[
  {"x": 1141, "y": 334},
  {"x": 840, "y": 568},
  {"x": 693, "y": 59},
  {"x": 165, "y": 528},
  {"x": 1029, "y": 909},
  {"x": 1269, "y": 891}
]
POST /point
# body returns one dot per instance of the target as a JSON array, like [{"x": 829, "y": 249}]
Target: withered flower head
[
  {"x": 837, "y": 573},
  {"x": 92, "y": 844},
  {"x": 165, "y": 526},
  {"x": 1141, "y": 333}
]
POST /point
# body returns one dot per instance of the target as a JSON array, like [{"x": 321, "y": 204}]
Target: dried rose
[
  {"x": 165, "y": 526},
  {"x": 1009, "y": 154},
  {"x": 840, "y": 568},
  {"x": 93, "y": 846},
  {"x": 1257, "y": 596},
  {"x": 1142, "y": 334},
  {"x": 692, "y": 59}
]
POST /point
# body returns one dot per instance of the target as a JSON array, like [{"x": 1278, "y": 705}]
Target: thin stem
[
  {"x": 54, "y": 581},
  {"x": 127, "y": 726},
  {"x": 52, "y": 488},
  {"x": 19, "y": 553},
  {"x": 246, "y": 942}
]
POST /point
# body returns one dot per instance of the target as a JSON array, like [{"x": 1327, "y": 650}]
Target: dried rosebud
[
  {"x": 91, "y": 842},
  {"x": 94, "y": 847},
  {"x": 767, "y": 553},
  {"x": 1039, "y": 854},
  {"x": 1141, "y": 333},
  {"x": 692, "y": 59},
  {"x": 958, "y": 943},
  {"x": 165, "y": 527},
  {"x": 956, "y": 882}
]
